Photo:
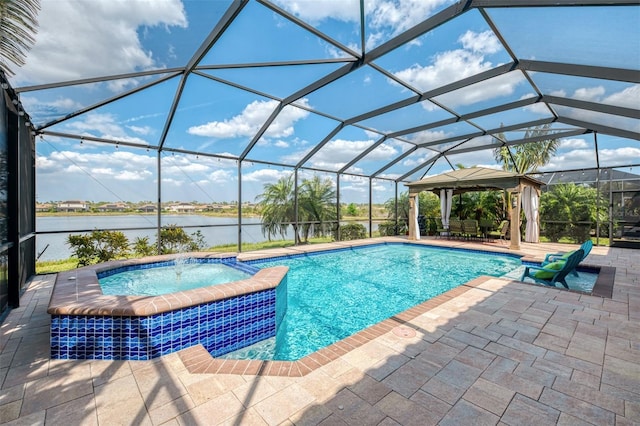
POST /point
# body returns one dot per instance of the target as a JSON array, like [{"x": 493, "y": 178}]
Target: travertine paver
[
  {"x": 465, "y": 413},
  {"x": 496, "y": 352}
]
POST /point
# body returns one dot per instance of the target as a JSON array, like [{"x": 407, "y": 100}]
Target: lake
[{"x": 216, "y": 230}]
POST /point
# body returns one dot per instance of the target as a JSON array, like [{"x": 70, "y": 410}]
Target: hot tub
[{"x": 87, "y": 324}]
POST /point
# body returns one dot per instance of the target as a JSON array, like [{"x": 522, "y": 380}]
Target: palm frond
[{"x": 18, "y": 26}]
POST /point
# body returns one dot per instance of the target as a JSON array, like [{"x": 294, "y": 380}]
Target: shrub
[
  {"x": 353, "y": 231},
  {"x": 174, "y": 239},
  {"x": 102, "y": 246},
  {"x": 99, "y": 246},
  {"x": 387, "y": 229},
  {"x": 142, "y": 248}
]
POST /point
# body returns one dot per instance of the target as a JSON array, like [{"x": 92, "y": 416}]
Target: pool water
[
  {"x": 154, "y": 281},
  {"x": 335, "y": 294}
]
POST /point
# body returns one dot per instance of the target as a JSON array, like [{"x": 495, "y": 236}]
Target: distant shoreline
[{"x": 213, "y": 214}]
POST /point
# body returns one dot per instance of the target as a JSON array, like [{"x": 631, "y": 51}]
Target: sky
[{"x": 216, "y": 116}]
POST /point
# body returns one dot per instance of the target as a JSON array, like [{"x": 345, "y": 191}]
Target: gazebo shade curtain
[
  {"x": 446, "y": 196},
  {"x": 531, "y": 205}
]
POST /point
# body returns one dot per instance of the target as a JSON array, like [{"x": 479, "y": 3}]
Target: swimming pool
[{"x": 332, "y": 295}]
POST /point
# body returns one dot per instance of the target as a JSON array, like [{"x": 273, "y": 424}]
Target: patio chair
[
  {"x": 470, "y": 228},
  {"x": 555, "y": 257},
  {"x": 555, "y": 272},
  {"x": 486, "y": 225},
  {"x": 455, "y": 228},
  {"x": 501, "y": 232},
  {"x": 440, "y": 229}
]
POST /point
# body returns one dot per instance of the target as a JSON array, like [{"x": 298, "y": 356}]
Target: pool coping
[{"x": 78, "y": 292}]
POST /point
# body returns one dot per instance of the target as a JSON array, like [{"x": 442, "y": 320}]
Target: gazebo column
[
  {"x": 412, "y": 217},
  {"x": 515, "y": 219}
]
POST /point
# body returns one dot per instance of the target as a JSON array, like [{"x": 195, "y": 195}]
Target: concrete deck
[{"x": 501, "y": 352}]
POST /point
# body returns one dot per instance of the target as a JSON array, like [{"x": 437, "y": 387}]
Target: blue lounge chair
[
  {"x": 554, "y": 272},
  {"x": 554, "y": 257}
]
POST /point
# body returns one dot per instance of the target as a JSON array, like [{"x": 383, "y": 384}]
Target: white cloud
[
  {"x": 179, "y": 165},
  {"x": 356, "y": 180},
  {"x": 133, "y": 175},
  {"x": 394, "y": 16},
  {"x": 336, "y": 153},
  {"x": 417, "y": 158},
  {"x": 318, "y": 10},
  {"x": 384, "y": 151},
  {"x": 482, "y": 158},
  {"x": 496, "y": 87},
  {"x": 574, "y": 159},
  {"x": 334, "y": 52},
  {"x": 629, "y": 97},
  {"x": 103, "y": 126},
  {"x": 625, "y": 155},
  {"x": 559, "y": 93},
  {"x": 45, "y": 164},
  {"x": 172, "y": 182},
  {"x": 281, "y": 144},
  {"x": 282, "y": 126},
  {"x": 353, "y": 188},
  {"x": 220, "y": 177},
  {"x": 45, "y": 111},
  {"x": 389, "y": 175},
  {"x": 64, "y": 104},
  {"x": 294, "y": 157},
  {"x": 592, "y": 94},
  {"x": 452, "y": 65},
  {"x": 447, "y": 67},
  {"x": 119, "y": 165},
  {"x": 615, "y": 121},
  {"x": 573, "y": 143},
  {"x": 585, "y": 158},
  {"x": 372, "y": 135},
  {"x": 94, "y": 38},
  {"x": 249, "y": 121},
  {"x": 538, "y": 108},
  {"x": 265, "y": 175},
  {"x": 485, "y": 42},
  {"x": 354, "y": 184},
  {"x": 379, "y": 187},
  {"x": 429, "y": 136},
  {"x": 246, "y": 123},
  {"x": 144, "y": 130},
  {"x": 385, "y": 18}
]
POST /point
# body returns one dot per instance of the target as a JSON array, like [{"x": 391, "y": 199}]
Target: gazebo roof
[{"x": 471, "y": 179}]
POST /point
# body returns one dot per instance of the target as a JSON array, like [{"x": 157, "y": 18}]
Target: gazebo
[{"x": 448, "y": 184}]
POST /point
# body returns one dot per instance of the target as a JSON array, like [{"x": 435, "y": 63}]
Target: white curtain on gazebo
[
  {"x": 446, "y": 196},
  {"x": 417, "y": 225},
  {"x": 530, "y": 205}
]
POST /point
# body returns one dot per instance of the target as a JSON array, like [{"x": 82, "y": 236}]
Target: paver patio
[{"x": 502, "y": 352}]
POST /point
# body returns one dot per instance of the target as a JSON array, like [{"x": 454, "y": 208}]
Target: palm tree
[
  {"x": 572, "y": 207},
  {"x": 316, "y": 207},
  {"x": 277, "y": 204},
  {"x": 528, "y": 157},
  {"x": 480, "y": 205},
  {"x": 18, "y": 24},
  {"x": 317, "y": 204}
]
